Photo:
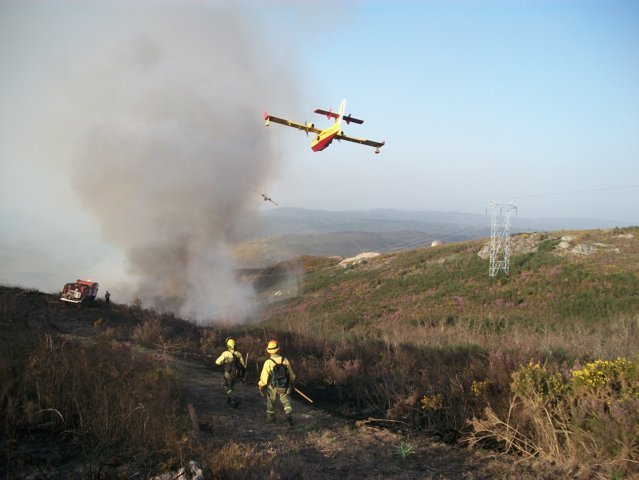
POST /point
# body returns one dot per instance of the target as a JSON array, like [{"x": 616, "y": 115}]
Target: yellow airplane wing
[
  {"x": 361, "y": 141},
  {"x": 307, "y": 128}
]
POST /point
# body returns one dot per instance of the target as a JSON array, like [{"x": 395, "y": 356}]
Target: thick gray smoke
[{"x": 173, "y": 150}]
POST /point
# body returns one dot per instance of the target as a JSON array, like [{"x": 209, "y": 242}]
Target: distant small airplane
[
  {"x": 266, "y": 197},
  {"x": 323, "y": 138}
]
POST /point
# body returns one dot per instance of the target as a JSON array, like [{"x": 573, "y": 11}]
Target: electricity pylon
[{"x": 500, "y": 236}]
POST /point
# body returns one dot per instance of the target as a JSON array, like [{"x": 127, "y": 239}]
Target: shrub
[
  {"x": 103, "y": 399},
  {"x": 590, "y": 414}
]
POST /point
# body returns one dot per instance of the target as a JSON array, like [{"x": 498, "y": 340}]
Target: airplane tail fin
[{"x": 340, "y": 112}]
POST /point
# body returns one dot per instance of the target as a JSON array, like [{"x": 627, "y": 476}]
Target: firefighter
[
  {"x": 277, "y": 377},
  {"x": 234, "y": 370},
  {"x": 107, "y": 297}
]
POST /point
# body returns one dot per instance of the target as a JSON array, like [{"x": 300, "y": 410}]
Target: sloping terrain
[
  {"x": 399, "y": 351},
  {"x": 321, "y": 445},
  {"x": 227, "y": 442},
  {"x": 445, "y": 294}
]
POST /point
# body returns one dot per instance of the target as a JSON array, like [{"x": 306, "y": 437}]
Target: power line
[
  {"x": 571, "y": 192},
  {"x": 454, "y": 231}
]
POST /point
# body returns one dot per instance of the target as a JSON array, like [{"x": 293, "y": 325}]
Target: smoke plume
[{"x": 172, "y": 151}]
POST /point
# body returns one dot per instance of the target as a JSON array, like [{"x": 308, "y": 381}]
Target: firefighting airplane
[
  {"x": 266, "y": 197},
  {"x": 323, "y": 138}
]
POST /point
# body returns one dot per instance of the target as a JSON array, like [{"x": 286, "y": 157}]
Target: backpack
[
  {"x": 234, "y": 369},
  {"x": 279, "y": 376}
]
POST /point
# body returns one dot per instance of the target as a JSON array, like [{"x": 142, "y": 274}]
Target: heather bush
[
  {"x": 588, "y": 414},
  {"x": 391, "y": 381}
]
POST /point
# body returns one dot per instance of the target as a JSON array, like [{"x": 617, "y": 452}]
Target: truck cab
[{"x": 81, "y": 291}]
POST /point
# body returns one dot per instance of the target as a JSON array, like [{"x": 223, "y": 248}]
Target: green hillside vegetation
[
  {"x": 443, "y": 295},
  {"x": 426, "y": 338}
]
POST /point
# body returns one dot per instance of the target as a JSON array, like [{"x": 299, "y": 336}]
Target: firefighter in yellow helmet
[
  {"x": 234, "y": 370},
  {"x": 277, "y": 377}
]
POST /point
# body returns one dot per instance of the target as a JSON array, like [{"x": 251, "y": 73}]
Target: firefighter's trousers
[
  {"x": 274, "y": 393},
  {"x": 229, "y": 385}
]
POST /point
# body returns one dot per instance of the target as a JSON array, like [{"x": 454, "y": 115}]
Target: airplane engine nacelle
[{"x": 310, "y": 125}]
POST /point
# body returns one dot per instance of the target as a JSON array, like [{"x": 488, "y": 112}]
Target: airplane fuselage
[{"x": 324, "y": 138}]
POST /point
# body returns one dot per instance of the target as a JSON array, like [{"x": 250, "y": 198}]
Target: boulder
[
  {"x": 583, "y": 249},
  {"x": 484, "y": 253},
  {"x": 362, "y": 257}
]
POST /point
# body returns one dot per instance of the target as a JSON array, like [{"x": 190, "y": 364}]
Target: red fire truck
[{"x": 81, "y": 291}]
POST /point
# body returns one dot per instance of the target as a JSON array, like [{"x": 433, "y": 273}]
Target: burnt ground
[
  {"x": 320, "y": 445},
  {"x": 329, "y": 446}
]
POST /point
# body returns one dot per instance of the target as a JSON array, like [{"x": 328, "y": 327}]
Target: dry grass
[
  {"x": 101, "y": 401},
  {"x": 586, "y": 416}
]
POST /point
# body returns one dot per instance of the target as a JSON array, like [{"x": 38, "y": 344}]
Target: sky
[
  {"x": 530, "y": 102},
  {"x": 132, "y": 138}
]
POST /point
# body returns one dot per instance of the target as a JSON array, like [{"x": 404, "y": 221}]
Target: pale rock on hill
[
  {"x": 519, "y": 244},
  {"x": 361, "y": 258}
]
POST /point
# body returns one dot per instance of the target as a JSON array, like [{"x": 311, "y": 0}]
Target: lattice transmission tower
[{"x": 500, "y": 237}]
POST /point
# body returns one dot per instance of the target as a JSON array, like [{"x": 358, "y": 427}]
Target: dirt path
[{"x": 327, "y": 446}]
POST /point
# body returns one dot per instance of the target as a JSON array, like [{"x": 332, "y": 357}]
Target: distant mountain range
[{"x": 283, "y": 233}]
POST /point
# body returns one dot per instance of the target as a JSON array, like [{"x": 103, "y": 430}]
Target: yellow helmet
[
  {"x": 273, "y": 346},
  {"x": 230, "y": 343}
]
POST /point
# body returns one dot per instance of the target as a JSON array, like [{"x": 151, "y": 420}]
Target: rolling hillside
[{"x": 444, "y": 294}]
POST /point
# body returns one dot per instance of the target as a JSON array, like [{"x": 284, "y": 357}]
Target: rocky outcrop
[
  {"x": 567, "y": 245},
  {"x": 519, "y": 244},
  {"x": 361, "y": 258},
  {"x": 584, "y": 249}
]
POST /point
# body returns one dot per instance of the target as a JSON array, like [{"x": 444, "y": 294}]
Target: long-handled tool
[{"x": 303, "y": 396}]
